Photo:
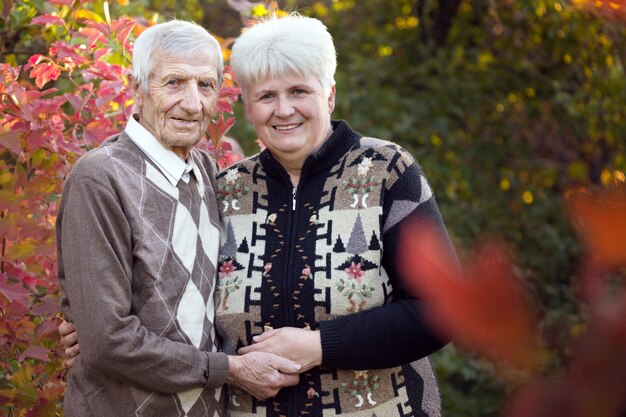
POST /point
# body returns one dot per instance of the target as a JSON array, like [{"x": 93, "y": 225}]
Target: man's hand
[
  {"x": 69, "y": 340},
  {"x": 262, "y": 374},
  {"x": 302, "y": 346}
]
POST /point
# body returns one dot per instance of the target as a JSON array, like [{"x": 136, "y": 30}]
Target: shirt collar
[{"x": 170, "y": 164}]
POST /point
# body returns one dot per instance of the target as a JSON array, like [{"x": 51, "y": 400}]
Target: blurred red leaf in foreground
[
  {"x": 481, "y": 306},
  {"x": 600, "y": 218},
  {"x": 595, "y": 382}
]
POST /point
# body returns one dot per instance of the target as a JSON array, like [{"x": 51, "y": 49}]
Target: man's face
[{"x": 180, "y": 101}]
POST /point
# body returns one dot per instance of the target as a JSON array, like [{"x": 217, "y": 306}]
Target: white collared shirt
[{"x": 172, "y": 166}]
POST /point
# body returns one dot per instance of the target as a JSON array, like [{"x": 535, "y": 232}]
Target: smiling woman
[
  {"x": 309, "y": 268},
  {"x": 291, "y": 116}
]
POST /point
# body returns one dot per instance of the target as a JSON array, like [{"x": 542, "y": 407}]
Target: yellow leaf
[
  {"x": 88, "y": 14},
  {"x": 22, "y": 250},
  {"x": 23, "y": 376}
]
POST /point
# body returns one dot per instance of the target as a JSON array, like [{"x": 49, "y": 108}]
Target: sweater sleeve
[
  {"x": 395, "y": 333},
  {"x": 95, "y": 269}
]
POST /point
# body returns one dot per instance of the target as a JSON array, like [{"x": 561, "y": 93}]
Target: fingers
[
  {"x": 66, "y": 328},
  {"x": 249, "y": 348},
  {"x": 70, "y": 362},
  {"x": 69, "y": 340},
  {"x": 264, "y": 343},
  {"x": 265, "y": 335},
  {"x": 262, "y": 374},
  {"x": 285, "y": 366},
  {"x": 72, "y": 351},
  {"x": 290, "y": 380}
]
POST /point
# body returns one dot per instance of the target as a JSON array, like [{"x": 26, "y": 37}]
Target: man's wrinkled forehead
[{"x": 204, "y": 65}]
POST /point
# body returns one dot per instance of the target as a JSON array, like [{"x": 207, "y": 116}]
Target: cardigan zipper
[{"x": 293, "y": 400}]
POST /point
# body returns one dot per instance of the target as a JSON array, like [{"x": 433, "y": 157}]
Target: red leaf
[
  {"x": 48, "y": 305},
  {"x": 102, "y": 27},
  {"x": 483, "y": 307},
  {"x": 600, "y": 218},
  {"x": 14, "y": 292},
  {"x": 93, "y": 36},
  {"x": 47, "y": 327},
  {"x": 220, "y": 127},
  {"x": 593, "y": 383},
  {"x": 44, "y": 72},
  {"x": 47, "y": 19},
  {"x": 35, "y": 352},
  {"x": 36, "y": 59},
  {"x": 12, "y": 141},
  {"x": 228, "y": 95},
  {"x": 122, "y": 28}
]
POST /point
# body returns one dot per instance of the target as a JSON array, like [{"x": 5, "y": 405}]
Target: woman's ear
[
  {"x": 331, "y": 99},
  {"x": 246, "y": 108}
]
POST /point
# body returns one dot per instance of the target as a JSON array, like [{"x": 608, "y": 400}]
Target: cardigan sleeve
[
  {"x": 95, "y": 268},
  {"x": 395, "y": 333}
]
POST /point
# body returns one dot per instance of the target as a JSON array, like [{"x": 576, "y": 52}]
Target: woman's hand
[
  {"x": 69, "y": 340},
  {"x": 302, "y": 346}
]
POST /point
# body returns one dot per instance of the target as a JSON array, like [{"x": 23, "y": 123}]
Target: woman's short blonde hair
[{"x": 277, "y": 46}]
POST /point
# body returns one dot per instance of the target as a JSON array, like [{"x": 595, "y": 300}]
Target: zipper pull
[{"x": 293, "y": 195}]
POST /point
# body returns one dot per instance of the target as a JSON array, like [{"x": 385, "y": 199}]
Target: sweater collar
[{"x": 335, "y": 147}]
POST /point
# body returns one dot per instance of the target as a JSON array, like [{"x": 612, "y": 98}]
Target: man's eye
[
  {"x": 206, "y": 84},
  {"x": 173, "y": 81},
  {"x": 266, "y": 97}
]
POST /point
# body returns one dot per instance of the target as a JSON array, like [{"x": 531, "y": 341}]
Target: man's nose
[{"x": 191, "y": 101}]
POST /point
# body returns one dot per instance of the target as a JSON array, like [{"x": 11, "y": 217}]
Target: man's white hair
[
  {"x": 176, "y": 38},
  {"x": 277, "y": 46}
]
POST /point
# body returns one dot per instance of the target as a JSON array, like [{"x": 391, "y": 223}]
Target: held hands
[
  {"x": 300, "y": 345},
  {"x": 262, "y": 374}
]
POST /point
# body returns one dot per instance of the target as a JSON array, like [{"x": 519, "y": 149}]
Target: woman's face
[{"x": 291, "y": 116}]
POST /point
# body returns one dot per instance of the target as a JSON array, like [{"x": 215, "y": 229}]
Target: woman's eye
[
  {"x": 173, "y": 81},
  {"x": 266, "y": 97},
  {"x": 206, "y": 84}
]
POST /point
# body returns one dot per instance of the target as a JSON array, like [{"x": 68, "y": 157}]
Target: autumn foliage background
[{"x": 515, "y": 110}]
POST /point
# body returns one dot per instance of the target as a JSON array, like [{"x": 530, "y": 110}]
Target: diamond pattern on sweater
[
  {"x": 191, "y": 313},
  {"x": 185, "y": 236}
]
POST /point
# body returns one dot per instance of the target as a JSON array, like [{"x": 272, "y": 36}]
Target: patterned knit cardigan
[{"x": 322, "y": 257}]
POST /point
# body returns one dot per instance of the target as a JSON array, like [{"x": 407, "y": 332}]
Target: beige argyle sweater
[{"x": 136, "y": 261}]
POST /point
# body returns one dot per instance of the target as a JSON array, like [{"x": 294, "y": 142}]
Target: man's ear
[{"x": 136, "y": 89}]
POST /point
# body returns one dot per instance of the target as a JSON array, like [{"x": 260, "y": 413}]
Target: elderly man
[{"x": 138, "y": 234}]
